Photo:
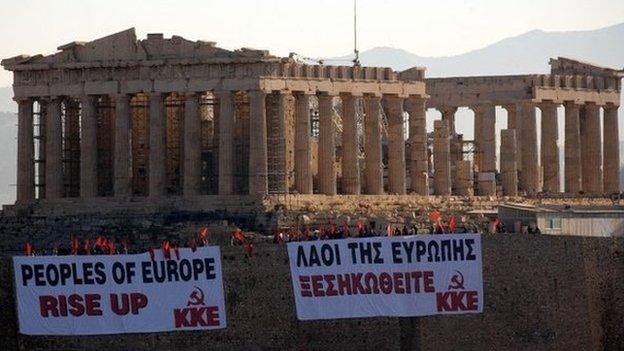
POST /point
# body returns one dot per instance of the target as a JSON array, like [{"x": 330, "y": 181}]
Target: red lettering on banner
[
  {"x": 366, "y": 283},
  {"x": 76, "y": 305},
  {"x": 417, "y": 276},
  {"x": 304, "y": 283},
  {"x": 454, "y": 301},
  {"x": 317, "y": 285},
  {"x": 428, "y": 281},
  {"x": 331, "y": 289},
  {"x": 196, "y": 317},
  {"x": 344, "y": 285},
  {"x": 129, "y": 303},
  {"x": 398, "y": 283}
]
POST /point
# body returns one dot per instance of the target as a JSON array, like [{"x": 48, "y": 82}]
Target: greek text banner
[{"x": 398, "y": 276}]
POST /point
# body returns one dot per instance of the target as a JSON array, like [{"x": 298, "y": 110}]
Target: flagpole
[{"x": 356, "y": 60}]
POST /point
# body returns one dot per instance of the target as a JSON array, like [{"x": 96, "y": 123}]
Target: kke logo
[
  {"x": 457, "y": 281},
  {"x": 457, "y": 298},
  {"x": 196, "y": 314},
  {"x": 196, "y": 298}
]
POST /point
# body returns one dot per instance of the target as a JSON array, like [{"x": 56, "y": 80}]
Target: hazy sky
[{"x": 310, "y": 28}]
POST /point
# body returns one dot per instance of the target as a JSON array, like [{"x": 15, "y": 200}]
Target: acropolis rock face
[{"x": 160, "y": 118}]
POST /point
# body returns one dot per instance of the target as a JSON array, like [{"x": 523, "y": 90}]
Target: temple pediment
[
  {"x": 124, "y": 46},
  {"x": 564, "y": 65}
]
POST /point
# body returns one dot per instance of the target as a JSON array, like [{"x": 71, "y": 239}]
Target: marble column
[
  {"x": 226, "y": 142},
  {"x": 327, "y": 146},
  {"x": 303, "y": 154},
  {"x": 350, "y": 164},
  {"x": 393, "y": 106},
  {"x": 572, "y": 148},
  {"x": 478, "y": 138},
  {"x": 372, "y": 146},
  {"x": 419, "y": 165},
  {"x": 441, "y": 158},
  {"x": 516, "y": 124},
  {"x": 611, "y": 157},
  {"x": 54, "y": 151},
  {"x": 549, "y": 151},
  {"x": 489, "y": 139},
  {"x": 25, "y": 152},
  {"x": 88, "y": 147},
  {"x": 485, "y": 136},
  {"x": 157, "y": 145},
  {"x": 529, "y": 177},
  {"x": 279, "y": 154},
  {"x": 485, "y": 141},
  {"x": 191, "y": 176},
  {"x": 591, "y": 153},
  {"x": 465, "y": 180},
  {"x": 258, "y": 165},
  {"x": 121, "y": 164},
  {"x": 448, "y": 115},
  {"x": 509, "y": 162}
]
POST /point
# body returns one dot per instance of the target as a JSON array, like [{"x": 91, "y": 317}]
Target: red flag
[
  {"x": 249, "y": 248},
  {"x": 112, "y": 248},
  {"x": 176, "y": 250},
  {"x": 166, "y": 247},
  {"x": 74, "y": 246},
  {"x": 452, "y": 224},
  {"x": 99, "y": 242},
  {"x": 203, "y": 235},
  {"x": 193, "y": 244},
  {"x": 276, "y": 236},
  {"x": 332, "y": 230},
  {"x": 124, "y": 242},
  {"x": 434, "y": 216},
  {"x": 151, "y": 253},
  {"x": 238, "y": 235},
  {"x": 28, "y": 249},
  {"x": 87, "y": 247},
  {"x": 321, "y": 232}
]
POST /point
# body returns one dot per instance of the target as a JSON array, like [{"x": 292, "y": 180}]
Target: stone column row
[
  {"x": 373, "y": 166},
  {"x": 191, "y": 160},
  {"x": 591, "y": 167}
]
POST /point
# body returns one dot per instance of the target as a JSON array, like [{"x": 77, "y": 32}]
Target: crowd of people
[
  {"x": 103, "y": 245},
  {"x": 435, "y": 225}
]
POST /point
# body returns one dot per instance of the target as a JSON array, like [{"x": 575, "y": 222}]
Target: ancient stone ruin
[{"x": 150, "y": 120}]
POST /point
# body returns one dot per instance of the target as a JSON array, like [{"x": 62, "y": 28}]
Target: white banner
[
  {"x": 400, "y": 276},
  {"x": 87, "y": 295}
]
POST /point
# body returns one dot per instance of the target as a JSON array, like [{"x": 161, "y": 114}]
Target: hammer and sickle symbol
[
  {"x": 457, "y": 281},
  {"x": 196, "y": 298}
]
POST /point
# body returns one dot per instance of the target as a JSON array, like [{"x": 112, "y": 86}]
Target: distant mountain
[
  {"x": 6, "y": 100},
  {"x": 8, "y": 161},
  {"x": 526, "y": 53}
]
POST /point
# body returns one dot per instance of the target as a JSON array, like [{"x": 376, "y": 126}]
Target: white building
[{"x": 563, "y": 219}]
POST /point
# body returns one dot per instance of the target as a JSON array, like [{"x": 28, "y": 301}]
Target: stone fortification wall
[{"x": 541, "y": 293}]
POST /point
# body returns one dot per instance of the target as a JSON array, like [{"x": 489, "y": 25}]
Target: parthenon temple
[{"x": 167, "y": 117}]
